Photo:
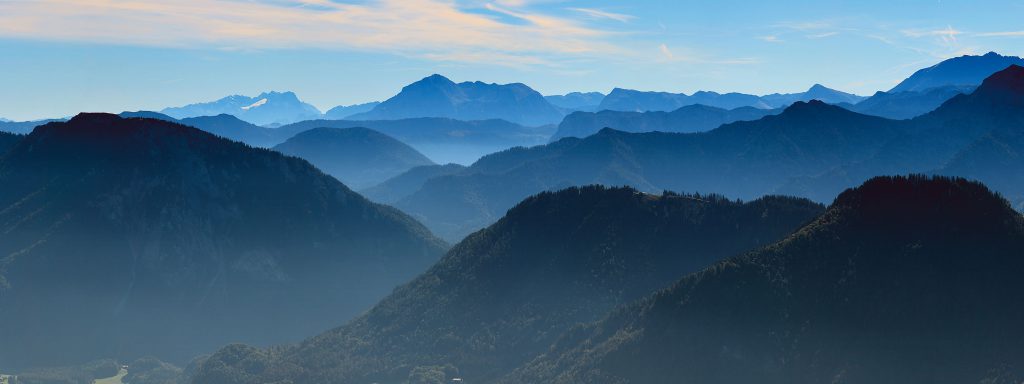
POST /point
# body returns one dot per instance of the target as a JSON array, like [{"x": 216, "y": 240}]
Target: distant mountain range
[
  {"x": 443, "y": 140},
  {"x": 965, "y": 70},
  {"x": 23, "y": 127},
  {"x": 743, "y": 159},
  {"x": 437, "y": 96},
  {"x": 639, "y": 101},
  {"x": 810, "y": 149},
  {"x": 691, "y": 118},
  {"x": 908, "y": 104},
  {"x": 131, "y": 237},
  {"x": 267, "y": 108},
  {"x": 358, "y": 157},
  {"x": 504, "y": 294},
  {"x": 973, "y": 134},
  {"x": 345, "y": 111},
  {"x": 405, "y": 184},
  {"x": 577, "y": 101},
  {"x": 903, "y": 280}
]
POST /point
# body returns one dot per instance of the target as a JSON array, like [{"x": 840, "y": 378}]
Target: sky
[{"x": 60, "y": 57}]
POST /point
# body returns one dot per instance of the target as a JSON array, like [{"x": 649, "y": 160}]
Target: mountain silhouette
[
  {"x": 504, "y": 294},
  {"x": 407, "y": 183},
  {"x": 437, "y": 96},
  {"x": 691, "y": 118},
  {"x": 933, "y": 140},
  {"x": 965, "y": 70},
  {"x": 126, "y": 237},
  {"x": 344, "y": 111},
  {"x": 577, "y": 101},
  {"x": 267, "y": 108},
  {"x": 811, "y": 149},
  {"x": 358, "y": 157},
  {"x": 638, "y": 101},
  {"x": 444, "y": 140},
  {"x": 902, "y": 280},
  {"x": 23, "y": 127},
  {"x": 746, "y": 159},
  {"x": 908, "y": 104}
]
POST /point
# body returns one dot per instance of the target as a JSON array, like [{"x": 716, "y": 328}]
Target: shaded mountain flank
[
  {"x": 358, "y": 157},
  {"x": 902, "y": 280},
  {"x": 504, "y": 294},
  {"x": 123, "y": 237}
]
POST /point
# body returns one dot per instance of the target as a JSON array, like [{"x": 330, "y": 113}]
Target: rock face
[
  {"x": 504, "y": 294},
  {"x": 902, "y": 280},
  {"x": 436, "y": 96},
  {"x": 123, "y": 237},
  {"x": 358, "y": 157}
]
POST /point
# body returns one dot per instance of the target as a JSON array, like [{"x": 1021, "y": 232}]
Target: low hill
[{"x": 358, "y": 157}]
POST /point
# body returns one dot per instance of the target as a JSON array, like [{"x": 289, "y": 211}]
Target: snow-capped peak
[{"x": 256, "y": 104}]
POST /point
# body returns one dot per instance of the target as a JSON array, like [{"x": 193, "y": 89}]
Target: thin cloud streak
[
  {"x": 1002, "y": 34},
  {"x": 599, "y": 14},
  {"x": 433, "y": 29}
]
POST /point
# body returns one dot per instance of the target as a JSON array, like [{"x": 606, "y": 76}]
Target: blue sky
[{"x": 60, "y": 57}]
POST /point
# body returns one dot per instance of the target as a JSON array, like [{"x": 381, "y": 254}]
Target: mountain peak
[
  {"x": 899, "y": 200},
  {"x": 436, "y": 79},
  {"x": 94, "y": 117},
  {"x": 810, "y": 105}
]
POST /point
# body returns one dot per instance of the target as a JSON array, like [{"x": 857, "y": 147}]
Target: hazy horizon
[{"x": 78, "y": 56}]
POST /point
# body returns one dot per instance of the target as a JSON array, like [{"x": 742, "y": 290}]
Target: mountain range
[
  {"x": 407, "y": 183},
  {"x": 639, "y": 101},
  {"x": 344, "y": 111},
  {"x": 443, "y": 140},
  {"x": 358, "y": 157},
  {"x": 131, "y": 237},
  {"x": 810, "y": 149},
  {"x": 690, "y": 118},
  {"x": 504, "y": 294},
  {"x": 577, "y": 101},
  {"x": 902, "y": 280},
  {"x": 966, "y": 70},
  {"x": 437, "y": 96},
  {"x": 265, "y": 109},
  {"x": 908, "y": 104}
]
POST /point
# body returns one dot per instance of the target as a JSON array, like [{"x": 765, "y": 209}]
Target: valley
[{"x": 511, "y": 192}]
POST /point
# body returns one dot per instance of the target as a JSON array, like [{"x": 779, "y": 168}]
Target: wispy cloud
[
  {"x": 947, "y": 35},
  {"x": 433, "y": 29},
  {"x": 599, "y": 14},
  {"x": 1002, "y": 34},
  {"x": 770, "y": 38},
  {"x": 665, "y": 52},
  {"x": 822, "y": 35}
]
